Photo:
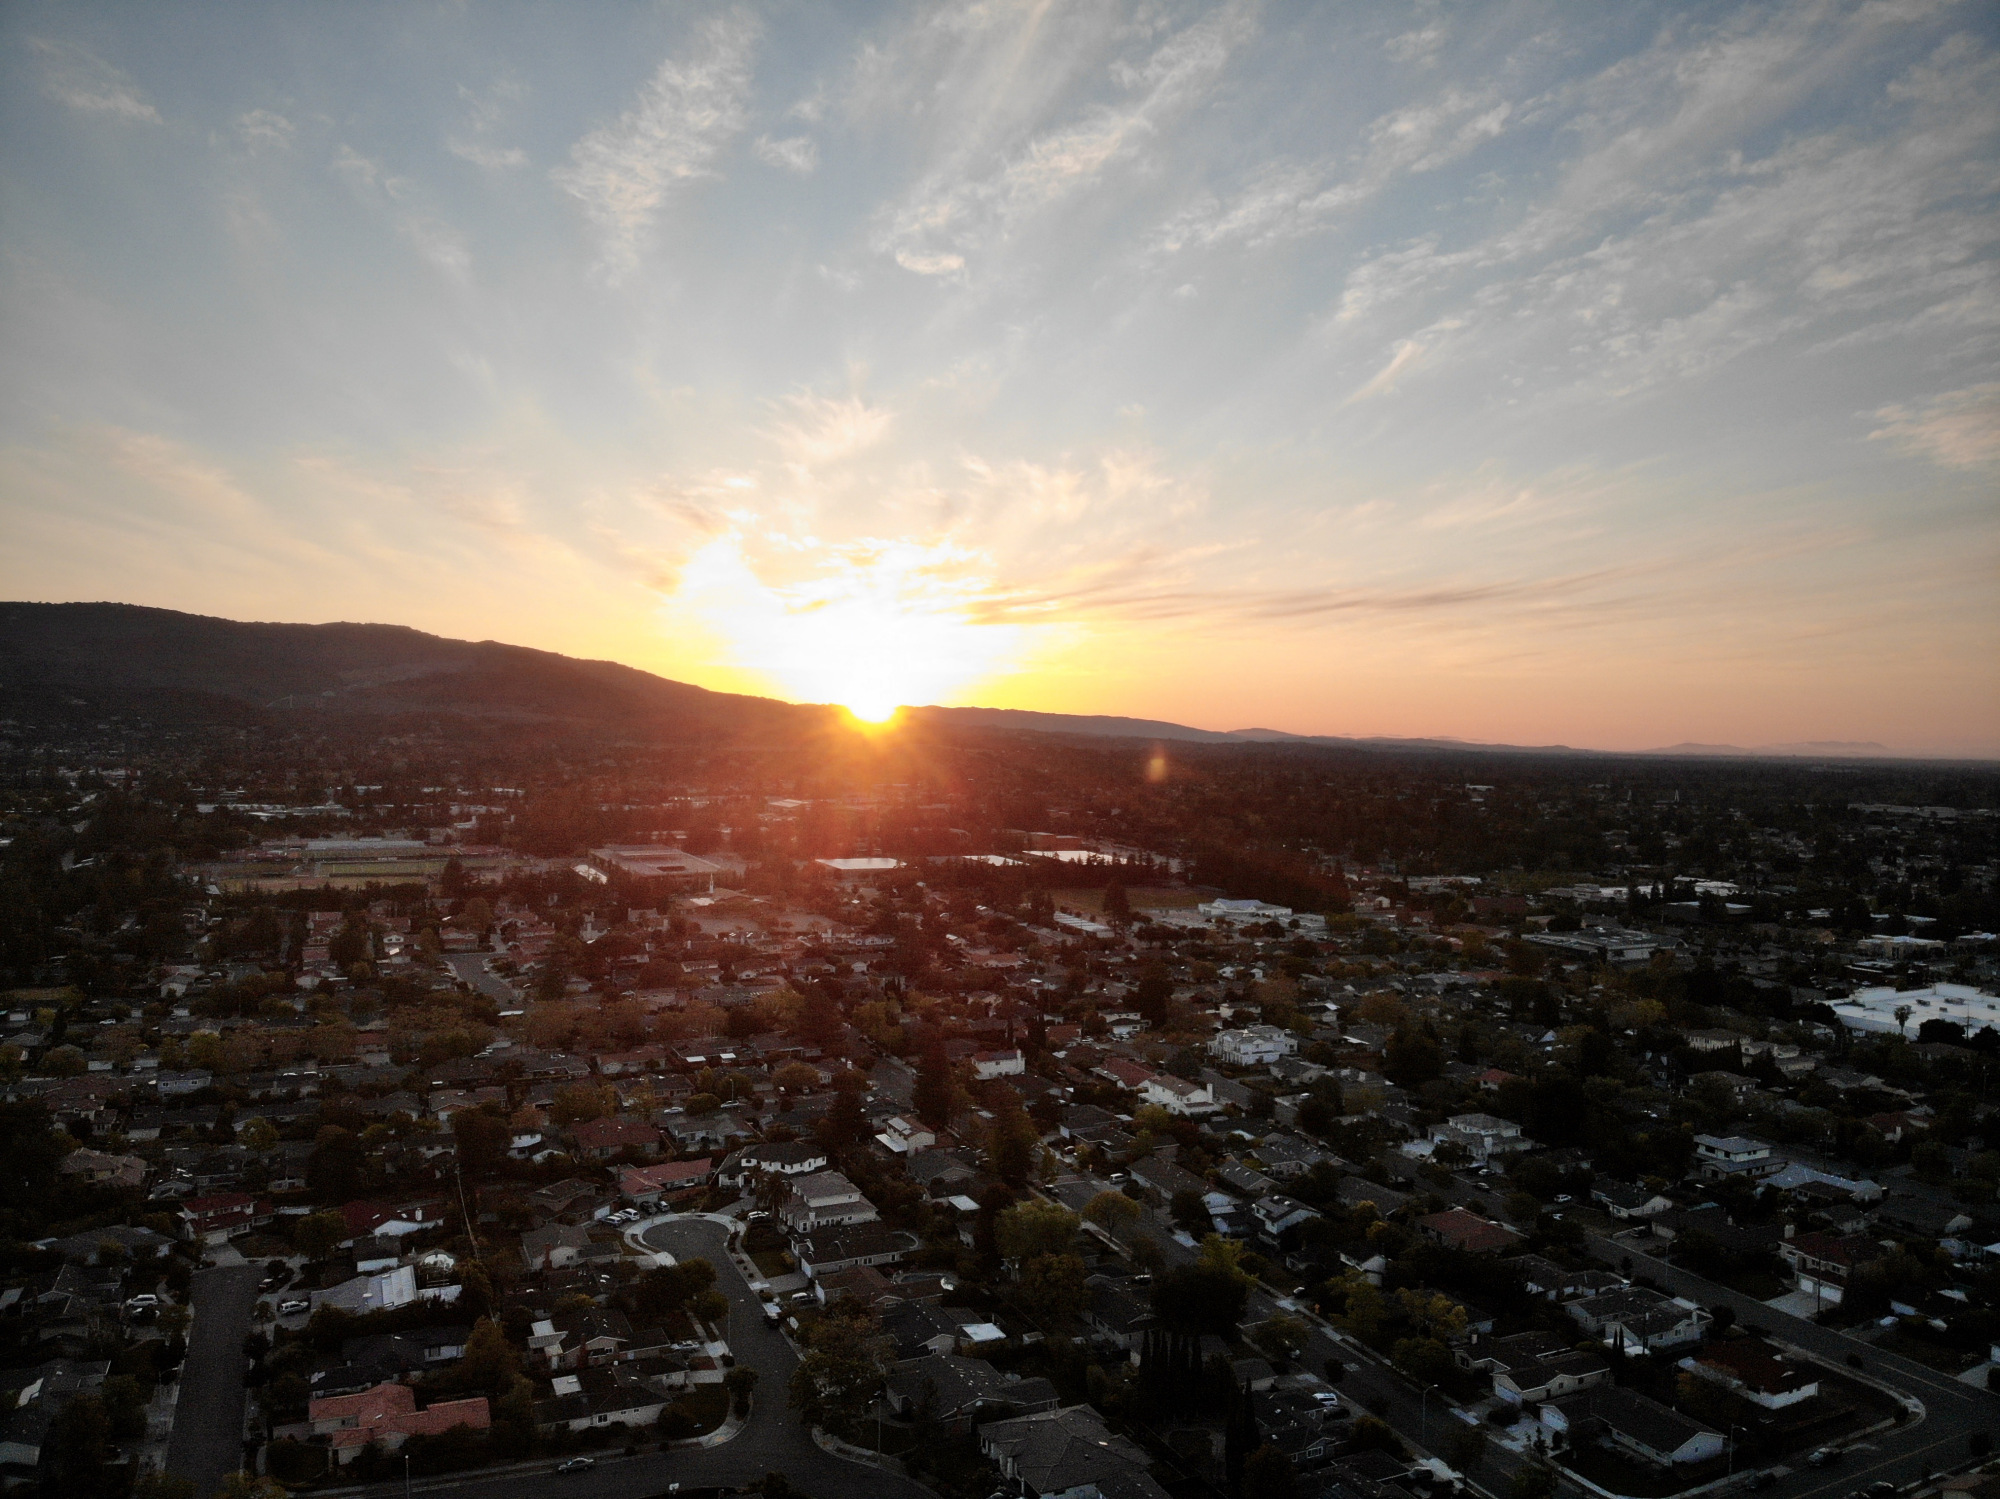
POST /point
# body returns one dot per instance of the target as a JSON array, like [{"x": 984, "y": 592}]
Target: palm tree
[{"x": 1902, "y": 1020}]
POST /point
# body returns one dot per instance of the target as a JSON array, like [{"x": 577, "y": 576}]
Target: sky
[{"x": 1609, "y": 375}]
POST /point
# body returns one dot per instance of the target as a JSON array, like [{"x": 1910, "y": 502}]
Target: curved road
[{"x": 772, "y": 1441}]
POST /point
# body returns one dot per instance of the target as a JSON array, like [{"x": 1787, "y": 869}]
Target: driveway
[{"x": 207, "y": 1443}]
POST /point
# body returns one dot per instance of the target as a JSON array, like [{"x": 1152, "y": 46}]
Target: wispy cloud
[
  {"x": 1960, "y": 429},
  {"x": 79, "y": 78},
  {"x": 986, "y": 189},
  {"x": 405, "y": 205},
  {"x": 826, "y": 429},
  {"x": 623, "y": 172},
  {"x": 792, "y": 153},
  {"x": 264, "y": 129}
]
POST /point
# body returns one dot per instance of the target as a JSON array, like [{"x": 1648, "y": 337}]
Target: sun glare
[{"x": 885, "y": 626}]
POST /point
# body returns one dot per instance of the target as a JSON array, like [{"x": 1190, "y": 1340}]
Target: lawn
[
  {"x": 773, "y": 1263},
  {"x": 706, "y": 1404},
  {"x": 1622, "y": 1475}
]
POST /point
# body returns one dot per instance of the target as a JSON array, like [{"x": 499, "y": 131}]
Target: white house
[
  {"x": 1719, "y": 1156},
  {"x": 903, "y": 1136},
  {"x": 825, "y": 1199},
  {"x": 1483, "y": 1136},
  {"x": 1179, "y": 1096},
  {"x": 987, "y": 1065},
  {"x": 1753, "y": 1371},
  {"x": 1253, "y": 1045}
]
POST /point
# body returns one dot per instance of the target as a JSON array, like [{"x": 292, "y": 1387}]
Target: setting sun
[{"x": 880, "y": 627}]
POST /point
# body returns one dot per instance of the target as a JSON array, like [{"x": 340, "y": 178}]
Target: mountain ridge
[{"x": 64, "y": 662}]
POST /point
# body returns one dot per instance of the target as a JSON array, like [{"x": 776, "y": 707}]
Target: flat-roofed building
[{"x": 656, "y": 867}]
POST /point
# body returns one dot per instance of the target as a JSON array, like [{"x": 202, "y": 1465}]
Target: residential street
[
  {"x": 470, "y": 968},
  {"x": 207, "y": 1442}
]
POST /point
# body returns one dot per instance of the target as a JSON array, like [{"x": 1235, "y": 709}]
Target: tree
[
  {"x": 1412, "y": 1058},
  {"x": 840, "y": 1370},
  {"x": 317, "y": 1234},
  {"x": 1034, "y": 1228},
  {"x": 1200, "y": 1298},
  {"x": 124, "y": 1406},
  {"x": 935, "y": 1095},
  {"x": 77, "y": 1449},
  {"x": 1012, "y": 1145},
  {"x": 580, "y": 1102},
  {"x": 1282, "y": 1336},
  {"x": 1190, "y": 1212},
  {"x": 1117, "y": 904},
  {"x": 258, "y": 1134},
  {"x": 1113, "y": 1212},
  {"x": 666, "y": 1289},
  {"x": 1268, "y": 1474},
  {"x": 740, "y": 1381},
  {"x": 482, "y": 1140},
  {"x": 1467, "y": 1449},
  {"x": 490, "y": 1361},
  {"x": 1053, "y": 1286},
  {"x": 796, "y": 1077}
]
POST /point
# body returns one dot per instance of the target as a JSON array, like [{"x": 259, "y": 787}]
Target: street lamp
[
  {"x": 1424, "y": 1416},
  {"x": 406, "y": 1475}
]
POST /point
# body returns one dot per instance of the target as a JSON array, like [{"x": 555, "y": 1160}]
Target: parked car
[
  {"x": 576, "y": 1465},
  {"x": 1824, "y": 1457},
  {"x": 1880, "y": 1489},
  {"x": 293, "y": 1307}
]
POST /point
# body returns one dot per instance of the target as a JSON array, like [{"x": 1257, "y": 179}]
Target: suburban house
[
  {"x": 1456, "y": 1228},
  {"x": 388, "y": 1415},
  {"x": 1481, "y": 1136},
  {"x": 1068, "y": 1454},
  {"x": 1822, "y": 1263},
  {"x": 987, "y": 1065},
  {"x": 601, "y": 1139},
  {"x": 1635, "y": 1320},
  {"x": 824, "y": 1199},
  {"x": 1253, "y": 1045},
  {"x": 1625, "y": 1201},
  {"x": 644, "y": 1186},
  {"x": 1720, "y": 1156},
  {"x": 956, "y": 1391},
  {"x": 904, "y": 1136},
  {"x": 1178, "y": 1096},
  {"x": 1630, "y": 1422},
  {"x": 844, "y": 1248},
  {"x": 597, "y": 1398},
  {"x": 1749, "y": 1368},
  {"x": 555, "y": 1247},
  {"x": 779, "y": 1158},
  {"x": 1278, "y": 1219},
  {"x": 212, "y": 1219}
]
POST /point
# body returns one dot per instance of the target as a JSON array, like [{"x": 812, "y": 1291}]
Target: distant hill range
[
  {"x": 1811, "y": 749},
  {"x": 76, "y": 662},
  {"x": 80, "y": 663}
]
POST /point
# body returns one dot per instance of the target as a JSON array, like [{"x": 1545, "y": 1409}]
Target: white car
[{"x": 293, "y": 1307}]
